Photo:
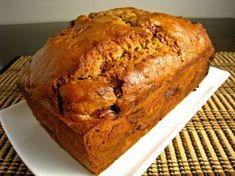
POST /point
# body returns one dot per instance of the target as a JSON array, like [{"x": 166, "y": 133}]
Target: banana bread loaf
[{"x": 103, "y": 82}]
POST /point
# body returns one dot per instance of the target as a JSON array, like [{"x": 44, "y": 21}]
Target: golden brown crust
[{"x": 104, "y": 70}]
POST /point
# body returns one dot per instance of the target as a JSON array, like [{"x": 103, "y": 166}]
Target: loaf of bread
[{"x": 103, "y": 82}]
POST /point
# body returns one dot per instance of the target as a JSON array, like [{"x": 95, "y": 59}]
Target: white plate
[{"x": 44, "y": 157}]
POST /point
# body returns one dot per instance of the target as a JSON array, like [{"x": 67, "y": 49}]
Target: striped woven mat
[{"x": 205, "y": 146}]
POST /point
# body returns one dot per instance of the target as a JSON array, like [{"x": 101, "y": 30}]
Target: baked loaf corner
[{"x": 103, "y": 82}]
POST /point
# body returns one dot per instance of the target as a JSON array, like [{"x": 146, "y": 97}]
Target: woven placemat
[{"x": 205, "y": 146}]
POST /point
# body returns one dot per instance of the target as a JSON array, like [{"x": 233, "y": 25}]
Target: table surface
[
  {"x": 26, "y": 39},
  {"x": 205, "y": 146}
]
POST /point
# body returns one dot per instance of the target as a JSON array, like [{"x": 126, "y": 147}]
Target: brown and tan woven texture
[{"x": 205, "y": 146}]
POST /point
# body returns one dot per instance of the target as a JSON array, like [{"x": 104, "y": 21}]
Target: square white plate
[{"x": 44, "y": 157}]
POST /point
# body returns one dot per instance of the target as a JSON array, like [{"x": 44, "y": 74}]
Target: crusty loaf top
[{"x": 94, "y": 68}]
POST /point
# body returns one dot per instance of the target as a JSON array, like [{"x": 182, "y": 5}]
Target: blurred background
[
  {"x": 34, "y": 11},
  {"x": 25, "y": 25}
]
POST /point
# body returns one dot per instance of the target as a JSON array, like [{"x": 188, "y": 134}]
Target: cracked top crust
[{"x": 93, "y": 69}]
